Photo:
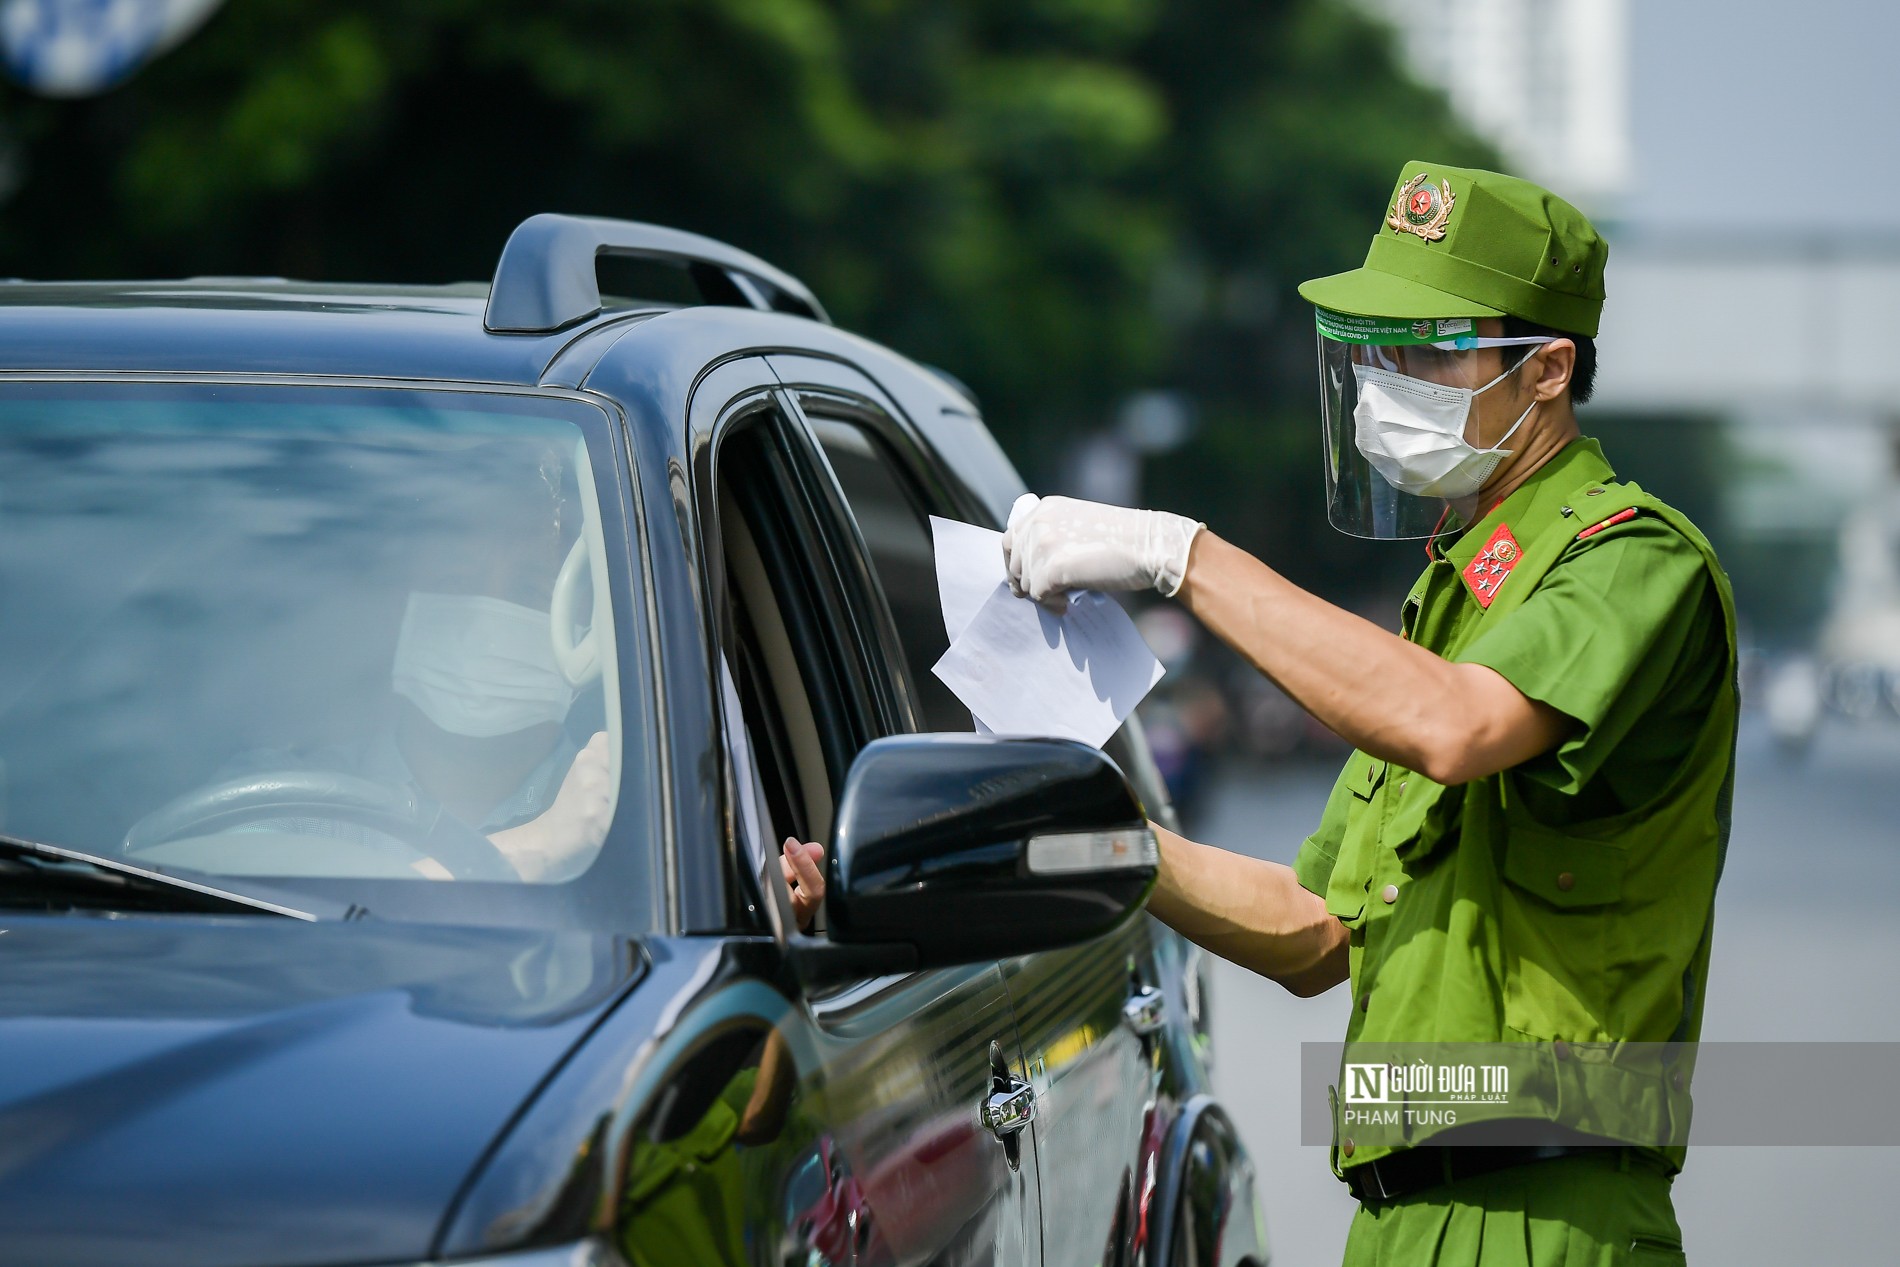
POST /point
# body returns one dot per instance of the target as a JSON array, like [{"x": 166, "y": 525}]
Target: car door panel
[
  {"x": 1095, "y": 1078},
  {"x": 905, "y": 1070},
  {"x": 1089, "y": 1017},
  {"x": 1079, "y": 1010},
  {"x": 901, "y": 1170}
]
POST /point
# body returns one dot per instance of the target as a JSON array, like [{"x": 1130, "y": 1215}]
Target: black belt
[{"x": 1428, "y": 1165}]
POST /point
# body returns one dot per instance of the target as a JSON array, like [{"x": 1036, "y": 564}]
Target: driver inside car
[{"x": 480, "y": 737}]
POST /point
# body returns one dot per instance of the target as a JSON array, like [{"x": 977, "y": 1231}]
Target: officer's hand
[
  {"x": 576, "y": 823},
  {"x": 1057, "y": 544},
  {"x": 802, "y": 864}
]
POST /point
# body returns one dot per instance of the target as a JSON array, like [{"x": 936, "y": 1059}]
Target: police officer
[{"x": 1524, "y": 846}]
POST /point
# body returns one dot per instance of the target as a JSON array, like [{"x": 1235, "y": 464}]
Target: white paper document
[
  {"x": 969, "y": 568},
  {"x": 1019, "y": 668}
]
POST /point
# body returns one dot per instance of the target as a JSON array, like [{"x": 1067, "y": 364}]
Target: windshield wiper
[{"x": 64, "y": 878}]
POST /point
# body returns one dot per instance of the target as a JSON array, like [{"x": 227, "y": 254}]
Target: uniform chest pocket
[
  {"x": 1346, "y": 897},
  {"x": 1565, "y": 871},
  {"x": 1352, "y": 871},
  {"x": 1565, "y": 967},
  {"x": 1364, "y": 775}
]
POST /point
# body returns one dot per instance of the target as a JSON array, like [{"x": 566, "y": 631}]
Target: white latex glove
[{"x": 1057, "y": 544}]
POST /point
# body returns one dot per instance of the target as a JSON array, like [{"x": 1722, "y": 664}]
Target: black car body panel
[{"x": 262, "y": 1091}]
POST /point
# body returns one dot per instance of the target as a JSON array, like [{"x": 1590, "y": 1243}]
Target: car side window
[
  {"x": 807, "y": 646},
  {"x": 786, "y": 677},
  {"x": 893, "y": 518}
]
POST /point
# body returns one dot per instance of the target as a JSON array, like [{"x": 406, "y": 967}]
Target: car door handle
[
  {"x": 1146, "y": 1011},
  {"x": 1010, "y": 1105},
  {"x": 1009, "y": 1108}
]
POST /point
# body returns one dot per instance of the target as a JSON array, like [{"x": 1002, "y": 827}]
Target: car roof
[
  {"x": 271, "y": 326},
  {"x": 545, "y": 295}
]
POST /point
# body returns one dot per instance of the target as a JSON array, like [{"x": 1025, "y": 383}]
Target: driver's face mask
[
  {"x": 1412, "y": 432},
  {"x": 478, "y": 666}
]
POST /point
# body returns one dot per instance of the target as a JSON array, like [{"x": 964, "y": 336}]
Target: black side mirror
[{"x": 953, "y": 849}]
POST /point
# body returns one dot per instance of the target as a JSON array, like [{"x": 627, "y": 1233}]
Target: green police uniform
[{"x": 1566, "y": 903}]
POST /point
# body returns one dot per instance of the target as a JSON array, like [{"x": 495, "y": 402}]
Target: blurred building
[
  {"x": 1547, "y": 81},
  {"x": 1782, "y": 341},
  {"x": 1744, "y": 348}
]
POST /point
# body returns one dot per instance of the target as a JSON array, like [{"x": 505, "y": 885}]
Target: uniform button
[
  {"x": 1345, "y": 1146},
  {"x": 1675, "y": 1079},
  {"x": 1566, "y": 881},
  {"x": 1390, "y": 893},
  {"x": 1401, "y": 787},
  {"x": 1560, "y": 1049}
]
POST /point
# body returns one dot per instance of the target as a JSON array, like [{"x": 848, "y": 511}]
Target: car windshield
[{"x": 374, "y": 646}]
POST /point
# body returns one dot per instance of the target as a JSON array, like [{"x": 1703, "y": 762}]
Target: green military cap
[{"x": 1459, "y": 242}]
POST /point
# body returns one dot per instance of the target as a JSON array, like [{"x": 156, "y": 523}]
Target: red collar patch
[{"x": 1488, "y": 571}]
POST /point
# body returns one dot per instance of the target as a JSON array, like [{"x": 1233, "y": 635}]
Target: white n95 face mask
[
  {"x": 1412, "y": 432},
  {"x": 478, "y": 666}
]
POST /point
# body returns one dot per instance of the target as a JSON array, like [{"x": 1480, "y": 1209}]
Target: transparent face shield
[{"x": 1398, "y": 400}]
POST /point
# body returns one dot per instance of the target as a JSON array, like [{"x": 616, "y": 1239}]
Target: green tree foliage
[{"x": 1058, "y": 200}]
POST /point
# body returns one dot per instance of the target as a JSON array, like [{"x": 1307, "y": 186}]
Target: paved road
[{"x": 1807, "y": 947}]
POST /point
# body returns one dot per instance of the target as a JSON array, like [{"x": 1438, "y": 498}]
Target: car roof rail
[{"x": 546, "y": 279}]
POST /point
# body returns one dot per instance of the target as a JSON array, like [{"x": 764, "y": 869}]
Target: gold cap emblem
[{"x": 1422, "y": 209}]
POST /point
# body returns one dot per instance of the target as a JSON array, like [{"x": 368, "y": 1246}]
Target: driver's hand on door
[
  {"x": 803, "y": 865},
  {"x": 576, "y": 823}
]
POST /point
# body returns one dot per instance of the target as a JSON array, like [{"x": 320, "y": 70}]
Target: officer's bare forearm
[
  {"x": 1384, "y": 695},
  {"x": 1250, "y": 911}
]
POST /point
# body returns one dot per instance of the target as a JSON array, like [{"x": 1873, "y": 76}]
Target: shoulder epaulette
[{"x": 1622, "y": 516}]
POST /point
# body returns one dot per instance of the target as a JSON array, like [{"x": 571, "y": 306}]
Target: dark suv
[{"x": 403, "y": 696}]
